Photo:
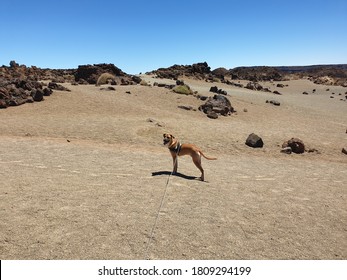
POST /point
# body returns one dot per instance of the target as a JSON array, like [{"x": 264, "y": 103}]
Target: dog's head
[{"x": 167, "y": 138}]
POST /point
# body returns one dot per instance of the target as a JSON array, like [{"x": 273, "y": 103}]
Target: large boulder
[
  {"x": 215, "y": 89},
  {"x": 37, "y": 95},
  {"x": 254, "y": 86},
  {"x": 217, "y": 105},
  {"x": 3, "y": 104},
  {"x": 55, "y": 86},
  {"x": 13, "y": 64}
]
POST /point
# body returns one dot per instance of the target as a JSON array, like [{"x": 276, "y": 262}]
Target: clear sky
[{"x": 139, "y": 36}]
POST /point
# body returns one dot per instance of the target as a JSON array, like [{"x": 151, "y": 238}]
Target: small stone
[
  {"x": 212, "y": 115},
  {"x": 185, "y": 107},
  {"x": 287, "y": 150}
]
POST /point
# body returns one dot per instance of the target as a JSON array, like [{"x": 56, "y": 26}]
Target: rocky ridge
[
  {"x": 320, "y": 74},
  {"x": 20, "y": 84}
]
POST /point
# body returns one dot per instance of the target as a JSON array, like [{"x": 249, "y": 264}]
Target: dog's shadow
[{"x": 159, "y": 173}]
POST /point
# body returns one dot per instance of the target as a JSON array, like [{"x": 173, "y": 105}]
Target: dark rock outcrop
[
  {"x": 255, "y": 74},
  {"x": 15, "y": 92},
  {"x": 20, "y": 84},
  {"x": 254, "y": 86},
  {"x": 215, "y": 89},
  {"x": 218, "y": 105},
  {"x": 197, "y": 70},
  {"x": 37, "y": 95},
  {"x": 220, "y": 73},
  {"x": 91, "y": 73}
]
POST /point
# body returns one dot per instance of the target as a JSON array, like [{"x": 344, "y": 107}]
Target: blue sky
[{"x": 139, "y": 36}]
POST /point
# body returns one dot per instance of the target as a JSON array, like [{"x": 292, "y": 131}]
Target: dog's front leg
[{"x": 175, "y": 163}]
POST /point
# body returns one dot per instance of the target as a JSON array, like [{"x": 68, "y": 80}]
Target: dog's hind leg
[{"x": 197, "y": 162}]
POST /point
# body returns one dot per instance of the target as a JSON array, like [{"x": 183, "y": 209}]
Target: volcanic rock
[
  {"x": 47, "y": 91},
  {"x": 37, "y": 94},
  {"x": 13, "y": 64},
  {"x": 273, "y": 102},
  {"x": 3, "y": 104},
  {"x": 255, "y": 74},
  {"x": 219, "y": 105},
  {"x": 186, "y": 107},
  {"x": 215, "y": 89},
  {"x": 20, "y": 84},
  {"x": 254, "y": 86},
  {"x": 91, "y": 73},
  {"x": 56, "y": 86},
  {"x": 295, "y": 144},
  {"x": 220, "y": 73},
  {"x": 254, "y": 141},
  {"x": 212, "y": 115},
  {"x": 198, "y": 71}
]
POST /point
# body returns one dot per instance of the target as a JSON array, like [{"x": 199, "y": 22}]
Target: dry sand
[{"x": 83, "y": 173}]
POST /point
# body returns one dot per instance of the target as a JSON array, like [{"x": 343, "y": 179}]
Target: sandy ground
[{"x": 83, "y": 173}]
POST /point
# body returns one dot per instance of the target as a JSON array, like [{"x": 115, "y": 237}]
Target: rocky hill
[
  {"x": 320, "y": 74},
  {"x": 20, "y": 84}
]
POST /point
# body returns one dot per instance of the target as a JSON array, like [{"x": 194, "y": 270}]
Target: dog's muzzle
[{"x": 165, "y": 141}]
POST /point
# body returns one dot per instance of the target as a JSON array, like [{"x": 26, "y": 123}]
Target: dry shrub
[
  {"x": 183, "y": 89},
  {"x": 105, "y": 78},
  {"x": 144, "y": 83}
]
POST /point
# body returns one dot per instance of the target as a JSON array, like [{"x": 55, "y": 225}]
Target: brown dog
[{"x": 178, "y": 149}]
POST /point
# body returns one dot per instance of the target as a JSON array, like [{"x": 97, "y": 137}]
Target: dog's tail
[{"x": 209, "y": 158}]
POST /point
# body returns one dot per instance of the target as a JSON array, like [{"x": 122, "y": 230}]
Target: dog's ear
[{"x": 168, "y": 135}]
